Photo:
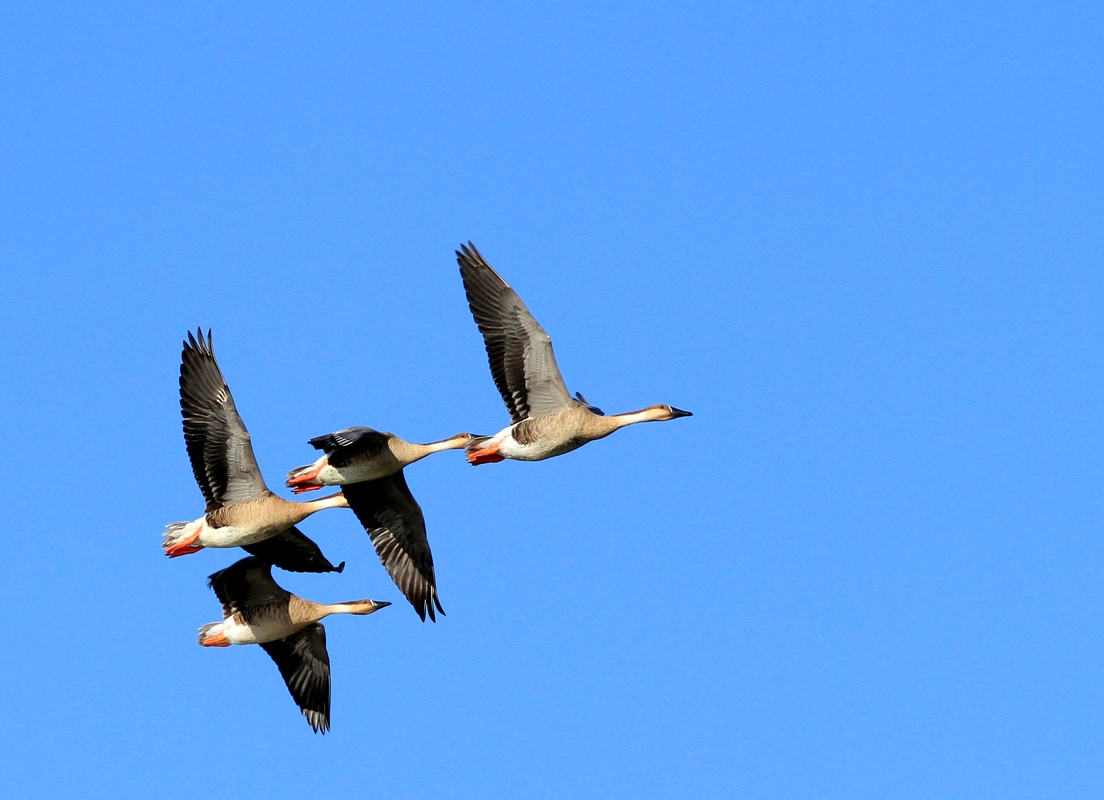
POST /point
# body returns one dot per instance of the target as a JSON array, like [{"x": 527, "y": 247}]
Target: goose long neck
[
  {"x": 330, "y": 501},
  {"x": 409, "y": 452},
  {"x": 633, "y": 417},
  {"x": 348, "y": 607},
  {"x": 301, "y": 610}
]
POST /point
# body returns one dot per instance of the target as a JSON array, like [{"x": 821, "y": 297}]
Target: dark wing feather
[
  {"x": 390, "y": 514},
  {"x": 591, "y": 408},
  {"x": 218, "y": 443},
  {"x": 305, "y": 666},
  {"x": 346, "y": 445},
  {"x": 294, "y": 551},
  {"x": 519, "y": 351},
  {"x": 342, "y": 438},
  {"x": 245, "y": 584}
]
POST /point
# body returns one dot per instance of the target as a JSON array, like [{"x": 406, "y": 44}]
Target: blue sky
[{"x": 862, "y": 243}]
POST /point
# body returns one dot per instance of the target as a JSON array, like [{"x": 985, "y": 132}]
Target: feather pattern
[
  {"x": 256, "y": 610},
  {"x": 246, "y": 584},
  {"x": 226, "y": 469},
  {"x": 304, "y": 665},
  {"x": 396, "y": 526},
  {"x": 347, "y": 437},
  {"x": 351, "y": 445},
  {"x": 519, "y": 350},
  {"x": 218, "y": 444},
  {"x": 545, "y": 421},
  {"x": 246, "y": 590},
  {"x": 293, "y": 551}
]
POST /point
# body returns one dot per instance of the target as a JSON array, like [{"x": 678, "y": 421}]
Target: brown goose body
[
  {"x": 256, "y": 520},
  {"x": 281, "y": 618},
  {"x": 257, "y": 610},
  {"x": 545, "y": 420},
  {"x": 241, "y": 510},
  {"x": 362, "y": 454},
  {"x": 538, "y": 438}
]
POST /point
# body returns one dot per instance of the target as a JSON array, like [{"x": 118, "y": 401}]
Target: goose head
[
  {"x": 664, "y": 412},
  {"x": 362, "y": 607}
]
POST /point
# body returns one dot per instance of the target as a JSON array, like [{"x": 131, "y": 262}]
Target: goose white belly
[
  {"x": 330, "y": 475},
  {"x": 537, "y": 450},
  {"x": 237, "y": 632},
  {"x": 268, "y": 628},
  {"x": 234, "y": 536}
]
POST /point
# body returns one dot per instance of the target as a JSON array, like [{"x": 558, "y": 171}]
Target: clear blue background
[{"x": 861, "y": 242}]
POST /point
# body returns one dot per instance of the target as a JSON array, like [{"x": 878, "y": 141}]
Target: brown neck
[
  {"x": 409, "y": 452},
  {"x": 305, "y": 509},
  {"x": 633, "y": 417},
  {"x": 302, "y": 610},
  {"x": 350, "y": 607}
]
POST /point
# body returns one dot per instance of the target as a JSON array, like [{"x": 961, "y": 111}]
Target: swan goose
[
  {"x": 241, "y": 511},
  {"x": 545, "y": 420},
  {"x": 368, "y": 465},
  {"x": 257, "y": 610}
]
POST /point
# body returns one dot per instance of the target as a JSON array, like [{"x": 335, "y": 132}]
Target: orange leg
[
  {"x": 216, "y": 641},
  {"x": 304, "y": 482},
  {"x": 184, "y": 548},
  {"x": 488, "y": 455}
]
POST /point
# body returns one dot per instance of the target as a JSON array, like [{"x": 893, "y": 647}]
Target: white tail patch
[
  {"x": 180, "y": 532},
  {"x": 476, "y": 443},
  {"x": 205, "y": 631},
  {"x": 303, "y": 479},
  {"x": 299, "y": 472}
]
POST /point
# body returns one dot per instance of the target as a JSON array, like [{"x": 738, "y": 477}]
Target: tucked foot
[
  {"x": 304, "y": 479},
  {"x": 184, "y": 547},
  {"x": 488, "y": 455},
  {"x": 218, "y": 640}
]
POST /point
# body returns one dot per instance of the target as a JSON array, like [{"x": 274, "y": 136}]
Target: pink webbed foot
[
  {"x": 488, "y": 455},
  {"x": 303, "y": 479},
  {"x": 185, "y": 547}
]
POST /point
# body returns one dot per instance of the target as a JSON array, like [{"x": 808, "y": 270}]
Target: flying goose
[
  {"x": 545, "y": 420},
  {"x": 241, "y": 511},
  {"x": 257, "y": 610},
  {"x": 360, "y": 454},
  {"x": 369, "y": 464}
]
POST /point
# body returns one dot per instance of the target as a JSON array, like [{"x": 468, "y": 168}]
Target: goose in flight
[
  {"x": 257, "y": 610},
  {"x": 360, "y": 454},
  {"x": 368, "y": 465},
  {"x": 241, "y": 511},
  {"x": 545, "y": 420}
]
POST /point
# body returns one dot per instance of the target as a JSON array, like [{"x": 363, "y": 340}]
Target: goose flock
[{"x": 241, "y": 511}]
